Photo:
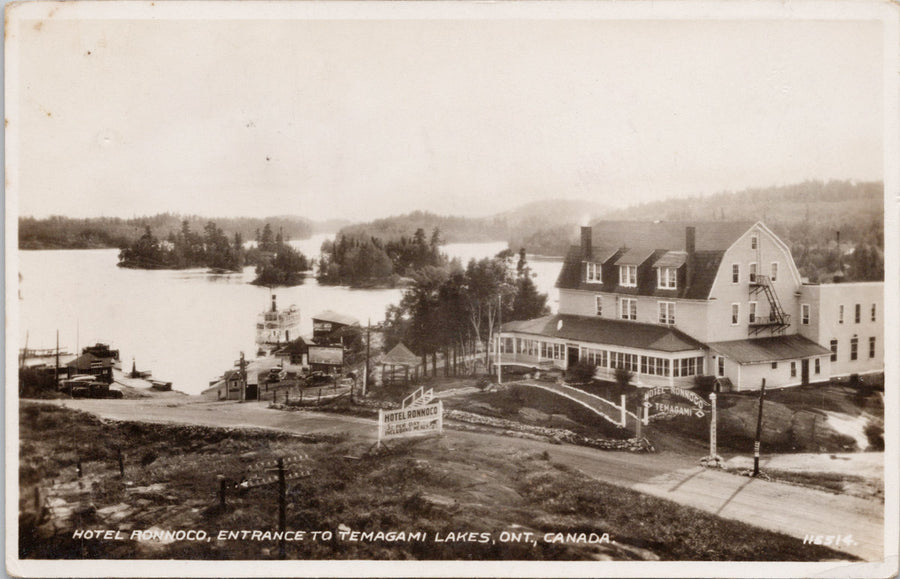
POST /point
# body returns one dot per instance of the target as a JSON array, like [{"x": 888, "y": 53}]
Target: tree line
[
  {"x": 277, "y": 263},
  {"x": 58, "y": 232},
  {"x": 456, "y": 310}
]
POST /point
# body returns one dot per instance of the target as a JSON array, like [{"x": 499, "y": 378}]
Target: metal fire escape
[{"x": 777, "y": 321}]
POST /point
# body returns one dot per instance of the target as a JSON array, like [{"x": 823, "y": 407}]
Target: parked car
[
  {"x": 276, "y": 375},
  {"x": 317, "y": 378}
]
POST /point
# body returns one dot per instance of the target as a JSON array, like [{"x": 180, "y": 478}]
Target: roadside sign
[
  {"x": 411, "y": 421},
  {"x": 696, "y": 408},
  {"x": 267, "y": 480}
]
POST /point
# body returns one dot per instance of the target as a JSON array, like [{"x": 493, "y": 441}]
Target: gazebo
[{"x": 399, "y": 356}]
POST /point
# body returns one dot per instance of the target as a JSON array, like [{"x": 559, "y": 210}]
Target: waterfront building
[
  {"x": 89, "y": 364},
  {"x": 671, "y": 302},
  {"x": 328, "y": 326}
]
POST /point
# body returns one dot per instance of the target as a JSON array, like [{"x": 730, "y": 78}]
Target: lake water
[{"x": 187, "y": 326}]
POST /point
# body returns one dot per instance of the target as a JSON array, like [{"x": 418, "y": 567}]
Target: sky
[{"x": 359, "y": 119}]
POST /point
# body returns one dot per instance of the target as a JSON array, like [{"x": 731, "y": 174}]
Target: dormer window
[
  {"x": 667, "y": 277},
  {"x": 593, "y": 272},
  {"x": 628, "y": 275}
]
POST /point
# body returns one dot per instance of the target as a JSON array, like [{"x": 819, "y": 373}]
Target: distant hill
[
  {"x": 812, "y": 210},
  {"x": 452, "y": 229}
]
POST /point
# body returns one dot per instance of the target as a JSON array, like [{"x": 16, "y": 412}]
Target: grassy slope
[{"x": 421, "y": 485}]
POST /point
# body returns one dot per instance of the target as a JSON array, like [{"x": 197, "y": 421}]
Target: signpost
[
  {"x": 713, "y": 460},
  {"x": 281, "y": 477},
  {"x": 696, "y": 408},
  {"x": 416, "y": 417}
]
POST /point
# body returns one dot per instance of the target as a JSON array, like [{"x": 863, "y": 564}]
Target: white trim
[
  {"x": 732, "y": 274},
  {"x": 731, "y": 313},
  {"x": 625, "y": 268},
  {"x": 673, "y": 278},
  {"x": 805, "y": 321},
  {"x": 669, "y": 311}
]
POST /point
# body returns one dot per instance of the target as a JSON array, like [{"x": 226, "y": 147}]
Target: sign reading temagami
[{"x": 416, "y": 417}]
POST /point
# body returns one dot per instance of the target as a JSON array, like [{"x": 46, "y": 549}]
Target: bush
[
  {"x": 875, "y": 433},
  {"x": 704, "y": 384},
  {"x": 581, "y": 373}
]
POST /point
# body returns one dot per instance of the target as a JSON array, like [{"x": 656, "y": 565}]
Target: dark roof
[
  {"x": 607, "y": 332},
  {"x": 400, "y": 356},
  {"x": 710, "y": 235},
  {"x": 648, "y": 244},
  {"x": 772, "y": 349},
  {"x": 84, "y": 361},
  {"x": 334, "y": 317}
]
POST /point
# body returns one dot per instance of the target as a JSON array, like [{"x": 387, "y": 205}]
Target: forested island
[
  {"x": 277, "y": 263},
  {"x": 369, "y": 261}
]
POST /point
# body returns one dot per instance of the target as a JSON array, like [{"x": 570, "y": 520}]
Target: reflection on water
[{"x": 187, "y": 326}]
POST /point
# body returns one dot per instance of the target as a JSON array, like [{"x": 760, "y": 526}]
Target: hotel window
[
  {"x": 754, "y": 241},
  {"x": 774, "y": 271},
  {"x": 626, "y": 361},
  {"x": 872, "y": 347},
  {"x": 793, "y": 369},
  {"x": 841, "y": 314},
  {"x": 751, "y": 315},
  {"x": 804, "y": 314},
  {"x": 774, "y": 365},
  {"x": 593, "y": 272},
  {"x": 628, "y": 309},
  {"x": 720, "y": 366},
  {"x": 834, "y": 350},
  {"x": 752, "y": 272},
  {"x": 687, "y": 367},
  {"x": 667, "y": 277},
  {"x": 654, "y": 366},
  {"x": 873, "y": 312},
  {"x": 667, "y": 313},
  {"x": 857, "y": 313},
  {"x": 818, "y": 366},
  {"x": 735, "y": 314},
  {"x": 854, "y": 348},
  {"x": 598, "y": 301},
  {"x": 735, "y": 273},
  {"x": 628, "y": 275}
]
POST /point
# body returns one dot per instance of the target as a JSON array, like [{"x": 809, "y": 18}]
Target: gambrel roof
[{"x": 653, "y": 244}]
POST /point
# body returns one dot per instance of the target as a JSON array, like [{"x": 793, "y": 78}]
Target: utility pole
[
  {"x": 243, "y": 378},
  {"x": 499, "y": 324},
  {"x": 762, "y": 395},
  {"x": 56, "y": 371},
  {"x": 365, "y": 387}
]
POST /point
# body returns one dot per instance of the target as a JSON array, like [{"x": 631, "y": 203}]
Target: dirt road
[{"x": 794, "y": 510}]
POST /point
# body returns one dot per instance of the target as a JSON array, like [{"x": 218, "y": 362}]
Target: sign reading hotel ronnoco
[
  {"x": 669, "y": 409},
  {"x": 414, "y": 419}
]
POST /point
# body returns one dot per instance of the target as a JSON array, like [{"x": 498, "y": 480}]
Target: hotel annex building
[{"x": 671, "y": 301}]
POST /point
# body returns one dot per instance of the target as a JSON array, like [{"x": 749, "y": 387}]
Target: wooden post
[
  {"x": 712, "y": 426},
  {"x": 623, "y": 410},
  {"x": 365, "y": 384},
  {"x": 638, "y": 421},
  {"x": 78, "y": 468},
  {"x": 221, "y": 478},
  {"x": 282, "y": 508},
  {"x": 762, "y": 395}
]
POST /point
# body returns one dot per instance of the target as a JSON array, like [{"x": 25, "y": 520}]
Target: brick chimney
[
  {"x": 690, "y": 246},
  {"x": 586, "y": 243}
]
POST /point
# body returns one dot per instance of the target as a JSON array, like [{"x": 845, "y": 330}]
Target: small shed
[{"x": 399, "y": 356}]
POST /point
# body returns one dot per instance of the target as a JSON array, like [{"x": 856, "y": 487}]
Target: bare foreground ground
[{"x": 793, "y": 510}]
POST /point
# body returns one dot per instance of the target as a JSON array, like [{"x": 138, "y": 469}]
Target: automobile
[
  {"x": 276, "y": 374},
  {"x": 316, "y": 378}
]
